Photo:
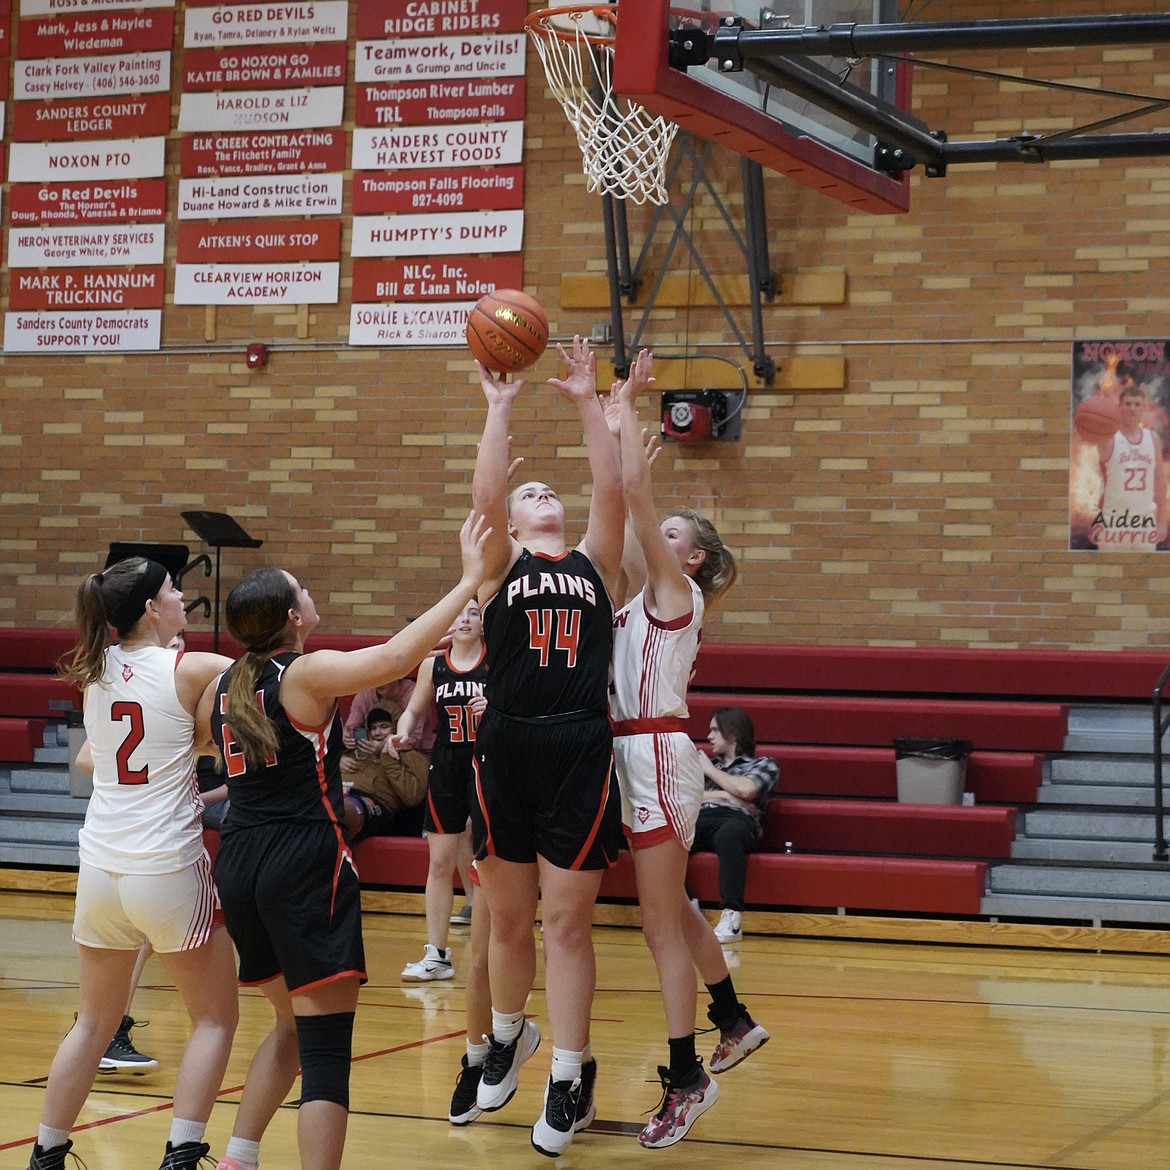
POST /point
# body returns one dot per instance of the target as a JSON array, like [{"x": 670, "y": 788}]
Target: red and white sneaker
[
  {"x": 738, "y": 1042},
  {"x": 681, "y": 1107}
]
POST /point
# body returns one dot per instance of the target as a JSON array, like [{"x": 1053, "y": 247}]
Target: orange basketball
[
  {"x": 1097, "y": 418},
  {"x": 507, "y": 330}
]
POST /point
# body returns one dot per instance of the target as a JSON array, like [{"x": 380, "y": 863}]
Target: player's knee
[{"x": 325, "y": 1045}]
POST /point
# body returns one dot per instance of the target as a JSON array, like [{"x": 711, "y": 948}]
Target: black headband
[{"x": 133, "y": 605}]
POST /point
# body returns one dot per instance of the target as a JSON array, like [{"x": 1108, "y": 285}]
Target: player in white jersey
[
  {"x": 1132, "y": 514},
  {"x": 144, "y": 873},
  {"x": 656, "y": 637}
]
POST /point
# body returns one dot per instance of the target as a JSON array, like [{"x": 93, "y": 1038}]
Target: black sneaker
[
  {"x": 555, "y": 1127},
  {"x": 185, "y": 1156},
  {"x": 586, "y": 1111},
  {"x": 501, "y": 1069},
  {"x": 53, "y": 1159},
  {"x": 122, "y": 1056},
  {"x": 464, "y": 1107}
]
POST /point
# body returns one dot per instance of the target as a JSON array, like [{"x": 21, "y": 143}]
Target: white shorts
[
  {"x": 661, "y": 783},
  {"x": 119, "y": 911}
]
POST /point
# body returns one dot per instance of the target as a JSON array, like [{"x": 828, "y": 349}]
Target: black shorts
[
  {"x": 292, "y": 904},
  {"x": 546, "y": 787},
  {"x": 450, "y": 788}
]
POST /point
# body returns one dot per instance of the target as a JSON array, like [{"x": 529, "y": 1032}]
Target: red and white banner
[
  {"x": 490, "y": 99},
  {"x": 298, "y": 152},
  {"x": 266, "y": 24},
  {"x": 265, "y": 196},
  {"x": 275, "y": 109},
  {"x": 275, "y": 242},
  {"x": 405, "y": 147},
  {"x": 447, "y": 57},
  {"x": 87, "y": 288},
  {"x": 435, "y": 280},
  {"x": 414, "y": 18},
  {"x": 437, "y": 235},
  {"x": 31, "y": 8},
  {"x": 233, "y": 284},
  {"x": 88, "y": 118},
  {"x": 66, "y": 77},
  {"x": 279, "y": 66},
  {"x": 120, "y": 158},
  {"x": 59, "y": 247},
  {"x": 111, "y": 332},
  {"x": 55, "y": 203},
  {"x": 467, "y": 189},
  {"x": 83, "y": 33},
  {"x": 442, "y": 323}
]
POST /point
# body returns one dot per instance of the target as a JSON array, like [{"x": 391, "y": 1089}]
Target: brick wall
[{"x": 923, "y": 503}]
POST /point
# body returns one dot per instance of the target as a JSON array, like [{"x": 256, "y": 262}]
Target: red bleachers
[{"x": 18, "y": 738}]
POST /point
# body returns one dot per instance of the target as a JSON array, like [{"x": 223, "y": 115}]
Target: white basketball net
[{"x": 623, "y": 145}]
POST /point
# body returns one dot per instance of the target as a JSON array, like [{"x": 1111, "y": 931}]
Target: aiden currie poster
[{"x": 1120, "y": 428}]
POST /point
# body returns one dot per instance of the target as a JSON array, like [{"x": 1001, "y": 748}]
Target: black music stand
[{"x": 219, "y": 530}]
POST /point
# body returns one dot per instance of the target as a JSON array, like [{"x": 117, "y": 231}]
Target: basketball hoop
[{"x": 623, "y": 145}]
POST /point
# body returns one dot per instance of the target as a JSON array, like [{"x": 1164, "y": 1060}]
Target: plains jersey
[
  {"x": 454, "y": 689},
  {"x": 653, "y": 660},
  {"x": 302, "y": 781},
  {"x": 143, "y": 816},
  {"x": 549, "y": 632}
]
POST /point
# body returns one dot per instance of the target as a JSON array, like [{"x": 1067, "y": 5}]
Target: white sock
[
  {"x": 186, "y": 1131},
  {"x": 477, "y": 1053},
  {"x": 506, "y": 1026},
  {"x": 49, "y": 1138},
  {"x": 566, "y": 1065},
  {"x": 243, "y": 1151}
]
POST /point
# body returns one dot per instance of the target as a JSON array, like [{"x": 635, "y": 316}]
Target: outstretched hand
[
  {"x": 640, "y": 379},
  {"x": 496, "y": 387},
  {"x": 472, "y": 539},
  {"x": 580, "y": 381}
]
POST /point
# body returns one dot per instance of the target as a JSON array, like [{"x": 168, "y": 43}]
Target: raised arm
[
  {"x": 667, "y": 592},
  {"x": 411, "y": 719},
  {"x": 489, "y": 485}
]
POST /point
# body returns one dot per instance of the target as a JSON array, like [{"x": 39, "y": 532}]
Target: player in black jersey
[
  {"x": 544, "y": 822},
  {"x": 284, "y": 871}
]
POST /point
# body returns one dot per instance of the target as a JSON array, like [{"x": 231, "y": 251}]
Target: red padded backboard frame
[{"x": 642, "y": 73}]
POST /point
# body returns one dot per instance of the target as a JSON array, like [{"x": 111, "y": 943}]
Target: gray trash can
[
  {"x": 80, "y": 782},
  {"x": 931, "y": 771}
]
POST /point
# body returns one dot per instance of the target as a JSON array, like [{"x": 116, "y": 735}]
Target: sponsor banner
[
  {"x": 61, "y": 247},
  {"x": 56, "y": 203},
  {"x": 5, "y": 32},
  {"x": 490, "y": 99},
  {"x": 405, "y": 60},
  {"x": 465, "y": 145},
  {"x": 276, "y": 109},
  {"x": 115, "y": 158},
  {"x": 87, "y": 288},
  {"x": 435, "y": 280},
  {"x": 276, "y": 242},
  {"x": 260, "y": 197},
  {"x": 73, "y": 121},
  {"x": 420, "y": 18},
  {"x": 84, "y": 33},
  {"x": 437, "y": 235},
  {"x": 109, "y": 332},
  {"x": 299, "y": 152},
  {"x": 31, "y": 8},
  {"x": 468, "y": 189},
  {"x": 279, "y": 66},
  {"x": 265, "y": 24},
  {"x": 240, "y": 284},
  {"x": 442, "y": 323},
  {"x": 64, "y": 77}
]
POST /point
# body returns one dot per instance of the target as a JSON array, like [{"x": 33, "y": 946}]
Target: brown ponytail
[{"x": 256, "y": 611}]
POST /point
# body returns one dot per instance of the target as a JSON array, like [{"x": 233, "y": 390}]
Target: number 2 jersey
[
  {"x": 143, "y": 816},
  {"x": 549, "y": 631}
]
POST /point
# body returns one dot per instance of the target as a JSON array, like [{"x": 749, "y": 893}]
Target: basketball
[
  {"x": 507, "y": 330},
  {"x": 1097, "y": 418}
]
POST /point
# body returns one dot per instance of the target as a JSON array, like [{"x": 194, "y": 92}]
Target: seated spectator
[
  {"x": 393, "y": 697},
  {"x": 386, "y": 786},
  {"x": 736, "y": 790}
]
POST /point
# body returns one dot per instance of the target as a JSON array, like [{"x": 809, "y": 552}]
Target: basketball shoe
[
  {"x": 737, "y": 1042},
  {"x": 435, "y": 964},
  {"x": 681, "y": 1107},
  {"x": 464, "y": 1106},
  {"x": 557, "y": 1123},
  {"x": 53, "y": 1159},
  {"x": 501, "y": 1069},
  {"x": 121, "y": 1056},
  {"x": 185, "y": 1156},
  {"x": 586, "y": 1111}
]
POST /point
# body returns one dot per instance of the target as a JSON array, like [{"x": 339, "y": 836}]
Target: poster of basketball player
[{"x": 1120, "y": 414}]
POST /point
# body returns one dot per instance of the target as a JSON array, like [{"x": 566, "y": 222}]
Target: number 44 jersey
[{"x": 549, "y": 632}]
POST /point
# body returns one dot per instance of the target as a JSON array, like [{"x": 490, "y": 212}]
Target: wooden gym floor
[{"x": 884, "y": 1056}]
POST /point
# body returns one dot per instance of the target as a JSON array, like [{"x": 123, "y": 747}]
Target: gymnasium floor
[{"x": 883, "y": 1056}]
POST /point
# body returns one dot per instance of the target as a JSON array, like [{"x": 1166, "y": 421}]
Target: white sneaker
[
  {"x": 728, "y": 929},
  {"x": 435, "y": 964}
]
